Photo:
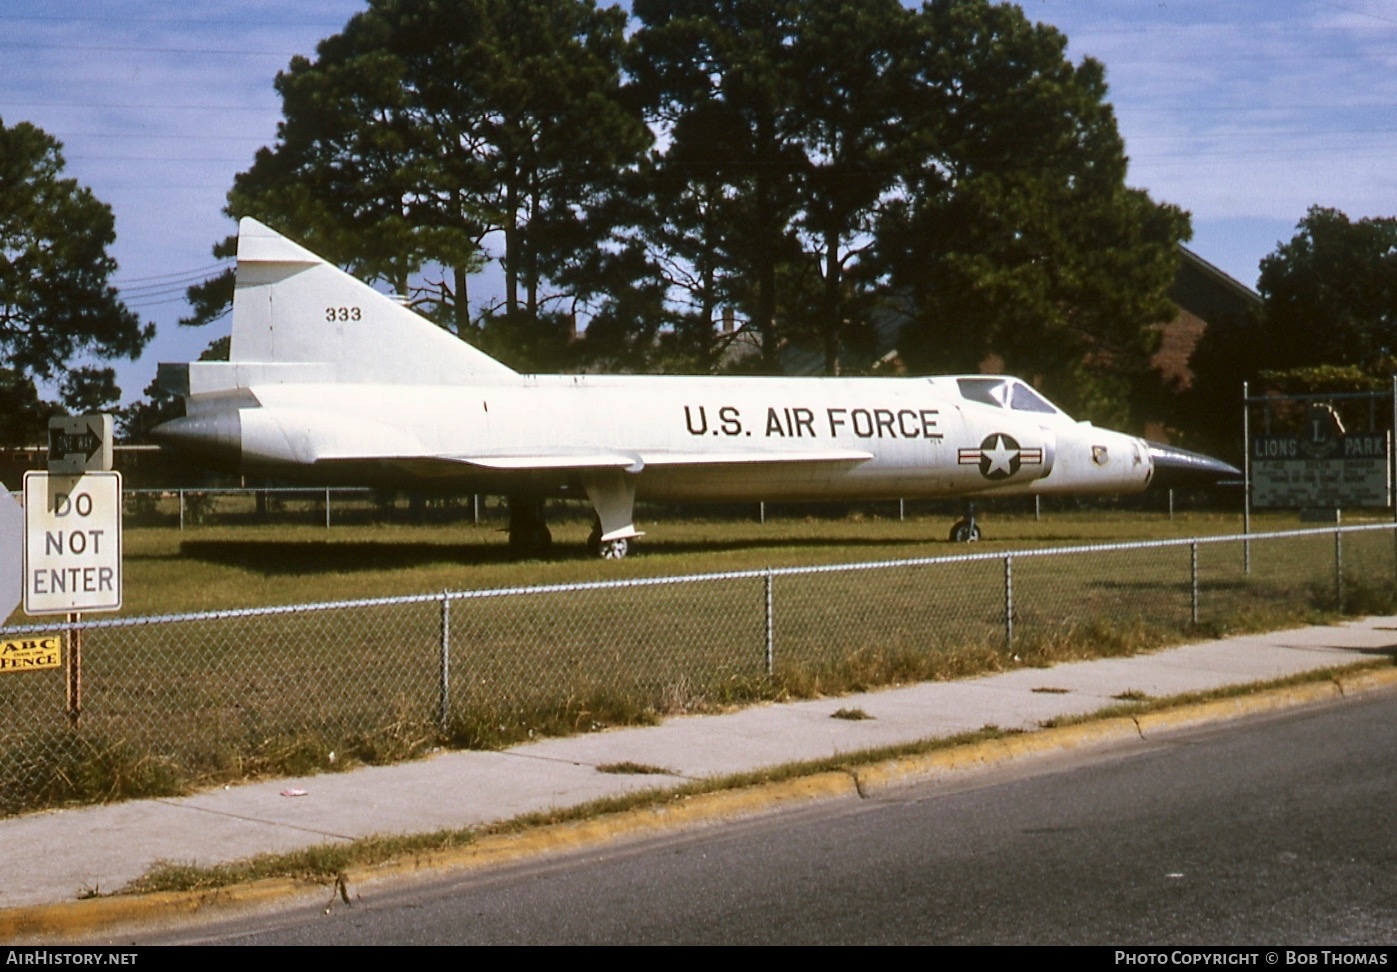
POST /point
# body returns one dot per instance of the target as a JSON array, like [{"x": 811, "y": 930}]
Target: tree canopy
[
  {"x": 422, "y": 128},
  {"x": 783, "y": 121},
  {"x": 57, "y": 304},
  {"x": 1330, "y": 293},
  {"x": 805, "y": 167},
  {"x": 1327, "y": 322},
  {"x": 1018, "y": 237}
]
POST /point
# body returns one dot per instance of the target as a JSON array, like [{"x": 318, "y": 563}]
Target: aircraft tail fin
[{"x": 290, "y": 306}]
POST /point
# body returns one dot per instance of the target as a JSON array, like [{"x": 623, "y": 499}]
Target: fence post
[
  {"x": 444, "y": 678},
  {"x": 327, "y": 508},
  {"x": 770, "y": 628},
  {"x": 181, "y": 509},
  {"x": 1193, "y": 578},
  {"x": 1339, "y": 569},
  {"x": 74, "y": 669},
  {"x": 1246, "y": 477},
  {"x": 1008, "y": 602}
]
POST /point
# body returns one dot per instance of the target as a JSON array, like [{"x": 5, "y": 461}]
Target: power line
[
  {"x": 153, "y": 136},
  {"x": 179, "y": 274},
  {"x": 166, "y": 290},
  {"x": 241, "y": 160},
  {"x": 89, "y": 106},
  {"x": 143, "y": 304},
  {"x": 1115, "y": 60},
  {"x": 1331, "y": 106},
  {"x": 123, "y": 19},
  {"x": 116, "y": 49},
  {"x": 1357, "y": 12},
  {"x": 1327, "y": 153}
]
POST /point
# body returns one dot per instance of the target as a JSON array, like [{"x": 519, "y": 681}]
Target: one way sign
[{"x": 79, "y": 444}]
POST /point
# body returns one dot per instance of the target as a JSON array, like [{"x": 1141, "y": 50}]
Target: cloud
[
  {"x": 158, "y": 107},
  {"x": 1249, "y": 110}
]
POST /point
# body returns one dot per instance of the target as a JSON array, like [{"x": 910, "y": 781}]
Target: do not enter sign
[{"x": 72, "y": 542}]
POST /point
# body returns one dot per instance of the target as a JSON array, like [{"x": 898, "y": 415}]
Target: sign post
[
  {"x": 73, "y": 696},
  {"x": 72, "y": 555}
]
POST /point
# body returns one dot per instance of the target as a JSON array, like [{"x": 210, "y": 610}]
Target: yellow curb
[
  {"x": 1367, "y": 681},
  {"x": 80, "y": 917},
  {"x": 1241, "y": 705},
  {"x": 680, "y": 811},
  {"x": 1071, "y": 737},
  {"x": 990, "y": 752},
  {"x": 90, "y": 914}
]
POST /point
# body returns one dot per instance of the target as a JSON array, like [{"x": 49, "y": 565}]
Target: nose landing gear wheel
[
  {"x": 611, "y": 549},
  {"x": 615, "y": 549},
  {"x": 965, "y": 531}
]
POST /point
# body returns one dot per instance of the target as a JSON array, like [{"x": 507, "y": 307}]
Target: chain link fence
[
  {"x": 189, "y": 507},
  {"x": 166, "y": 702}
]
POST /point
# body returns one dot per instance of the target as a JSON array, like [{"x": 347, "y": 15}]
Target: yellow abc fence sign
[{"x": 31, "y": 654}]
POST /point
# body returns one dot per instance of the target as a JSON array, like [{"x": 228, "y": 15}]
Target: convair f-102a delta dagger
[{"x": 329, "y": 380}]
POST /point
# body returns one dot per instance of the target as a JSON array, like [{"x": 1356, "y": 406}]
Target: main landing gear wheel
[
  {"x": 535, "y": 538},
  {"x": 528, "y": 532},
  {"x": 965, "y": 531},
  {"x": 611, "y": 549}
]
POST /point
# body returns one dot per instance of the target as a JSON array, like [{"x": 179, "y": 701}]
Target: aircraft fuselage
[
  {"x": 688, "y": 438},
  {"x": 330, "y": 381}
]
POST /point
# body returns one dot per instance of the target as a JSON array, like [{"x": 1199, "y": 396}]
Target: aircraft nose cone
[{"x": 1179, "y": 467}]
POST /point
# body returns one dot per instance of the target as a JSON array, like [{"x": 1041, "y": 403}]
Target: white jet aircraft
[{"x": 331, "y": 380}]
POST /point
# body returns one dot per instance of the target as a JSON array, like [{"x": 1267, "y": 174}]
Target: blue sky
[{"x": 1243, "y": 112}]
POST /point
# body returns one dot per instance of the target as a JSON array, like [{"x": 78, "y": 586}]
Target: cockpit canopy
[{"x": 1003, "y": 392}]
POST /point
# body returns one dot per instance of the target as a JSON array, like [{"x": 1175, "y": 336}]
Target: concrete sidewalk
[{"x": 55, "y": 857}]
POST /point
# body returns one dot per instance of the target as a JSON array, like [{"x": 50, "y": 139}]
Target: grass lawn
[
  {"x": 171, "y": 571},
  {"x": 179, "y": 703}
]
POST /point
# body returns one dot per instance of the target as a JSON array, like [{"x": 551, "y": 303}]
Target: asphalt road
[{"x": 1269, "y": 831}]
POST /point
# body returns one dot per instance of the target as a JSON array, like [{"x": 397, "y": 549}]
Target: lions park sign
[{"x": 1322, "y": 468}]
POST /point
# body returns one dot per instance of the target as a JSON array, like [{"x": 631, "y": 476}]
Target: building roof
[
  {"x": 1207, "y": 292},
  {"x": 1200, "y": 290}
]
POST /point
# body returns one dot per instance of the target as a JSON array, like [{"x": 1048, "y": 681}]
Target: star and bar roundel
[{"x": 1000, "y": 456}]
